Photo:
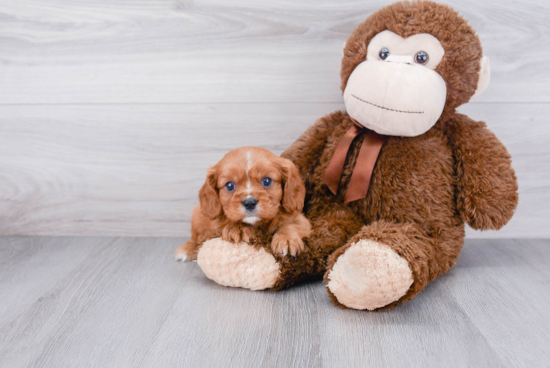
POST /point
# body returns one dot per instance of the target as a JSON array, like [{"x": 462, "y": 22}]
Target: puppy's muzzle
[{"x": 249, "y": 204}]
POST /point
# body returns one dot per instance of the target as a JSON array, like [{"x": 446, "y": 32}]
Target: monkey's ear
[
  {"x": 484, "y": 76},
  {"x": 208, "y": 196}
]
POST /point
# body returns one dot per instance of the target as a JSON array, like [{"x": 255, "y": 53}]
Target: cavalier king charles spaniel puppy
[{"x": 250, "y": 195}]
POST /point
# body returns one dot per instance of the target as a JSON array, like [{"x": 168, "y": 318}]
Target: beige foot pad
[
  {"x": 238, "y": 265},
  {"x": 369, "y": 275}
]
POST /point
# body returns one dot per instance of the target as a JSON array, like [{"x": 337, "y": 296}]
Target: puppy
[{"x": 250, "y": 195}]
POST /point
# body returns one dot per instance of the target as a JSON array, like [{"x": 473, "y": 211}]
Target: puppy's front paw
[
  {"x": 186, "y": 252},
  {"x": 235, "y": 233},
  {"x": 287, "y": 243}
]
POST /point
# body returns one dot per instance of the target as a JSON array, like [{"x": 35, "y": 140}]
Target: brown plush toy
[{"x": 391, "y": 182}]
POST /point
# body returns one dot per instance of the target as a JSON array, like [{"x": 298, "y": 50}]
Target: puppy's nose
[{"x": 250, "y": 203}]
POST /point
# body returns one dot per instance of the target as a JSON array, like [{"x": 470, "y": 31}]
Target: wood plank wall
[{"x": 111, "y": 111}]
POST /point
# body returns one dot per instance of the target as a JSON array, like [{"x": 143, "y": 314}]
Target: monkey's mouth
[{"x": 385, "y": 108}]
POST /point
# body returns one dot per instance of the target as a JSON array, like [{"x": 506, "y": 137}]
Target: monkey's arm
[
  {"x": 306, "y": 150},
  {"x": 486, "y": 182}
]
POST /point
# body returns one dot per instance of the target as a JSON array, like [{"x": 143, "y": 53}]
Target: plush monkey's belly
[{"x": 412, "y": 181}]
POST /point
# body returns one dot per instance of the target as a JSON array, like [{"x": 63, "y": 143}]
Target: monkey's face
[
  {"x": 410, "y": 64},
  {"x": 396, "y": 90}
]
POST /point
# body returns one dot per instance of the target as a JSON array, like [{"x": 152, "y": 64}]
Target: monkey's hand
[{"x": 486, "y": 182}]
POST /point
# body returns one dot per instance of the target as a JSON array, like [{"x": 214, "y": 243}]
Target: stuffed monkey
[{"x": 391, "y": 181}]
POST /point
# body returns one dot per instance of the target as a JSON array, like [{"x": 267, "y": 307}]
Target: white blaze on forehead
[{"x": 249, "y": 162}]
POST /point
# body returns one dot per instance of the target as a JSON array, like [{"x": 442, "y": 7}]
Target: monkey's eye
[
  {"x": 266, "y": 182},
  {"x": 421, "y": 57},
  {"x": 384, "y": 53},
  {"x": 230, "y": 186}
]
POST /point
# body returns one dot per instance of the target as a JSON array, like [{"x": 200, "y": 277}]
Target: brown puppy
[{"x": 251, "y": 194}]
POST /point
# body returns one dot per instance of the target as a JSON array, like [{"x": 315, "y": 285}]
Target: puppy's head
[{"x": 252, "y": 185}]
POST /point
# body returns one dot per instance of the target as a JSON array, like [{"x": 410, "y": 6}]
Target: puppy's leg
[
  {"x": 187, "y": 251},
  {"x": 288, "y": 238},
  {"x": 287, "y": 241},
  {"x": 202, "y": 229},
  {"x": 235, "y": 233}
]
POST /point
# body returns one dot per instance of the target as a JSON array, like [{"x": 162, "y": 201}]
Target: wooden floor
[{"x": 124, "y": 302}]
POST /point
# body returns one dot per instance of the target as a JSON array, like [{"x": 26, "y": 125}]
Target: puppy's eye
[
  {"x": 421, "y": 57},
  {"x": 266, "y": 182},
  {"x": 230, "y": 186},
  {"x": 384, "y": 53}
]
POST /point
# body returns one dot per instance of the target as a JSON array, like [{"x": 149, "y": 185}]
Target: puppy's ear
[
  {"x": 294, "y": 191},
  {"x": 208, "y": 196}
]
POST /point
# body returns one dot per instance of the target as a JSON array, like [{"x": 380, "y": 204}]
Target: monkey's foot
[
  {"x": 368, "y": 275},
  {"x": 238, "y": 265}
]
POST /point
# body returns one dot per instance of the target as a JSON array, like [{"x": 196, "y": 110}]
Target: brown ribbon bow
[{"x": 362, "y": 172}]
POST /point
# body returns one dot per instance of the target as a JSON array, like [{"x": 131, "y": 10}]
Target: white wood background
[{"x": 111, "y": 111}]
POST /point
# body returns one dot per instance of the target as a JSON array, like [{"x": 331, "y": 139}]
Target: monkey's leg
[
  {"x": 331, "y": 227},
  {"x": 387, "y": 263},
  {"x": 257, "y": 268}
]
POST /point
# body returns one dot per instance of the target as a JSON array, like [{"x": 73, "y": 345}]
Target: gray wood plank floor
[{"x": 124, "y": 302}]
